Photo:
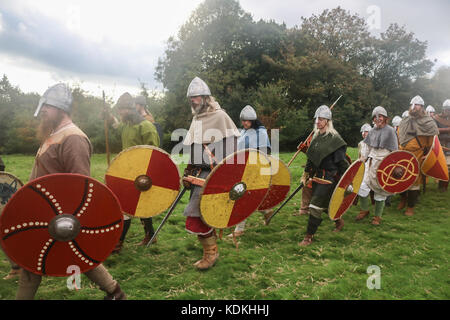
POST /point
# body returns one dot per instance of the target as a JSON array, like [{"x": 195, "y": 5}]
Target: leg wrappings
[
  {"x": 379, "y": 207},
  {"x": 364, "y": 203}
]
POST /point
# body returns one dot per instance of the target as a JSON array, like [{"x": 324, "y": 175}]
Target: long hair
[{"x": 329, "y": 130}]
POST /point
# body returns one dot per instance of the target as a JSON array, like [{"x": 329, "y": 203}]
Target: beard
[
  {"x": 416, "y": 113},
  {"x": 47, "y": 126},
  {"x": 197, "y": 107}
]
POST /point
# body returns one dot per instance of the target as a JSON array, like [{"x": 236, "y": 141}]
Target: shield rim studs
[{"x": 235, "y": 194}]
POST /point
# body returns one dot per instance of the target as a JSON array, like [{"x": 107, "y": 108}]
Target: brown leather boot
[
  {"x": 210, "y": 253},
  {"x": 376, "y": 221},
  {"x": 409, "y": 212},
  {"x": 362, "y": 215},
  {"x": 147, "y": 239},
  {"x": 117, "y": 294},
  {"x": 339, "y": 225},
  {"x": 307, "y": 240}
]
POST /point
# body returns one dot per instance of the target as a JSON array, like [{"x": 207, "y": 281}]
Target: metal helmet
[
  {"x": 430, "y": 109},
  {"x": 405, "y": 114},
  {"x": 379, "y": 111},
  {"x": 417, "y": 100},
  {"x": 198, "y": 87},
  {"x": 140, "y": 100},
  {"x": 446, "y": 104},
  {"x": 396, "y": 121},
  {"x": 248, "y": 113},
  {"x": 365, "y": 127},
  {"x": 125, "y": 101},
  {"x": 323, "y": 112},
  {"x": 58, "y": 96}
]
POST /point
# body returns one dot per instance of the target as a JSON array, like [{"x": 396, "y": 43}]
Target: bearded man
[
  {"x": 415, "y": 135},
  {"x": 64, "y": 149},
  {"x": 211, "y": 137},
  {"x": 135, "y": 131}
]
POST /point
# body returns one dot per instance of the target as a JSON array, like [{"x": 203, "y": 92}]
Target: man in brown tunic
[{"x": 64, "y": 149}]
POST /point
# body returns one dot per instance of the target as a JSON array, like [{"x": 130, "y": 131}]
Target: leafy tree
[
  {"x": 224, "y": 46},
  {"x": 339, "y": 33}
]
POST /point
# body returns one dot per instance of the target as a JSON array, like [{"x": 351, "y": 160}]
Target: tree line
[{"x": 284, "y": 73}]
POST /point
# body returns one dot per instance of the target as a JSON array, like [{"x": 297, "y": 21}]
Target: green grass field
[{"x": 411, "y": 252}]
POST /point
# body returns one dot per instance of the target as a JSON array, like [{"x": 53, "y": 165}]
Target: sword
[
  {"x": 172, "y": 207},
  {"x": 286, "y": 201}
]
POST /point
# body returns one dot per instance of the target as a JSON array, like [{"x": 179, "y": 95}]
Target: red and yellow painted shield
[
  {"x": 61, "y": 220},
  {"x": 435, "y": 164},
  {"x": 235, "y": 188},
  {"x": 280, "y": 184},
  {"x": 145, "y": 179},
  {"x": 341, "y": 200},
  {"x": 9, "y": 184},
  {"x": 408, "y": 171}
]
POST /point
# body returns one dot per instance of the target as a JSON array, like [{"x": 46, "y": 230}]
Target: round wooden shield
[
  {"x": 60, "y": 221},
  {"x": 280, "y": 184},
  {"x": 404, "y": 160},
  {"x": 435, "y": 164},
  {"x": 9, "y": 184},
  {"x": 341, "y": 200},
  {"x": 235, "y": 188},
  {"x": 145, "y": 179}
]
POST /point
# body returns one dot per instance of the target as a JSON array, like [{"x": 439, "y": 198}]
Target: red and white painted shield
[
  {"x": 403, "y": 161},
  {"x": 9, "y": 184},
  {"x": 435, "y": 164},
  {"x": 145, "y": 179},
  {"x": 341, "y": 200},
  {"x": 280, "y": 184},
  {"x": 235, "y": 188},
  {"x": 61, "y": 220}
]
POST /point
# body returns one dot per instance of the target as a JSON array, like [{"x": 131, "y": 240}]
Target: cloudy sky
[{"x": 111, "y": 45}]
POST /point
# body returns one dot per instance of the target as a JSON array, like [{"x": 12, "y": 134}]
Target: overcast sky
[{"x": 109, "y": 45}]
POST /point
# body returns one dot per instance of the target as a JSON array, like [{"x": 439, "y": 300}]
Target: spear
[{"x": 303, "y": 146}]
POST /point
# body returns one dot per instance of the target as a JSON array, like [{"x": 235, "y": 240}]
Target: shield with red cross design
[
  {"x": 235, "y": 188},
  {"x": 280, "y": 184},
  {"x": 145, "y": 179}
]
